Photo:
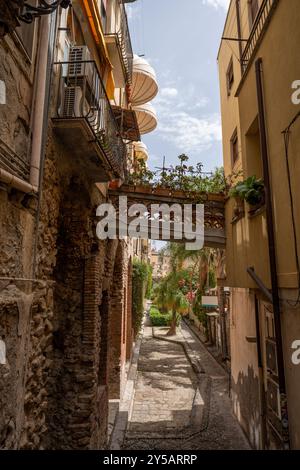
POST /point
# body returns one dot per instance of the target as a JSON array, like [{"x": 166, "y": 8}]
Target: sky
[{"x": 181, "y": 39}]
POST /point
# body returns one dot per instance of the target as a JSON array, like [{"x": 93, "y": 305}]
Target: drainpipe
[
  {"x": 271, "y": 244},
  {"x": 38, "y": 159},
  {"x": 16, "y": 182},
  {"x": 39, "y": 104}
]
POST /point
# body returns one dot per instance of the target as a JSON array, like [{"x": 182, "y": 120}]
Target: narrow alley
[
  {"x": 149, "y": 228},
  {"x": 181, "y": 396}
]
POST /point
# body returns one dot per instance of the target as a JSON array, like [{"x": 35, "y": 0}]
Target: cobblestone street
[{"x": 181, "y": 397}]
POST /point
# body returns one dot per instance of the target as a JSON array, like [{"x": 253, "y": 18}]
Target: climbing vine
[{"x": 139, "y": 287}]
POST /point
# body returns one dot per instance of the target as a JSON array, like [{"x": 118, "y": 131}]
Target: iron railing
[
  {"x": 82, "y": 95},
  {"x": 13, "y": 163},
  {"x": 259, "y": 27},
  {"x": 121, "y": 30}
]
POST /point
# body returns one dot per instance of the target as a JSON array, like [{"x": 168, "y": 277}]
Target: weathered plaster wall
[{"x": 244, "y": 366}]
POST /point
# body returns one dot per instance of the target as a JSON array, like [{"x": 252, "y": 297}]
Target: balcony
[
  {"x": 260, "y": 25},
  {"x": 127, "y": 122},
  {"x": 85, "y": 122},
  {"x": 118, "y": 42}
]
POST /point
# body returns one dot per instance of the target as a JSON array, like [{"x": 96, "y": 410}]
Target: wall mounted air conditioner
[
  {"x": 74, "y": 105},
  {"x": 78, "y": 68}
]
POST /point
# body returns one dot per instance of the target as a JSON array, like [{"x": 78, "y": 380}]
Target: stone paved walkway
[{"x": 180, "y": 403}]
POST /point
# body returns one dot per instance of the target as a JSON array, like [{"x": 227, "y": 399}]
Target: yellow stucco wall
[{"x": 247, "y": 239}]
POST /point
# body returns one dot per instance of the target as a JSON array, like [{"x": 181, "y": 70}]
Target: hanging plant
[{"x": 250, "y": 190}]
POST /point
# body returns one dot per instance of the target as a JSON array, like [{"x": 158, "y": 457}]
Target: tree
[{"x": 170, "y": 297}]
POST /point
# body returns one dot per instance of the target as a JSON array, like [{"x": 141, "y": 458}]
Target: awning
[
  {"x": 144, "y": 85},
  {"x": 146, "y": 118},
  {"x": 94, "y": 18},
  {"x": 127, "y": 122},
  {"x": 140, "y": 150}
]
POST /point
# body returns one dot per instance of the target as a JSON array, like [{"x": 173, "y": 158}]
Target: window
[
  {"x": 25, "y": 33},
  {"x": 229, "y": 77},
  {"x": 234, "y": 144},
  {"x": 253, "y": 9}
]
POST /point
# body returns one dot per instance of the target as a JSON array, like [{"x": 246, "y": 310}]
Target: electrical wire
[{"x": 286, "y": 137}]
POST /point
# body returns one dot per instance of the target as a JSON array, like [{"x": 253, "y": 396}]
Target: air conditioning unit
[
  {"x": 79, "y": 67},
  {"x": 74, "y": 105}
]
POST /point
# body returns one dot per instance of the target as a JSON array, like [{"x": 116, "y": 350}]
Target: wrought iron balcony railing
[
  {"x": 259, "y": 27},
  {"x": 82, "y": 95},
  {"x": 121, "y": 30}
]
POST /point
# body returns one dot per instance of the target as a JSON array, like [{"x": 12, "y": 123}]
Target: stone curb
[
  {"x": 198, "y": 336},
  {"x": 126, "y": 403}
]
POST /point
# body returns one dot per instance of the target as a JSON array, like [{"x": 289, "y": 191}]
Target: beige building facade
[{"x": 258, "y": 66}]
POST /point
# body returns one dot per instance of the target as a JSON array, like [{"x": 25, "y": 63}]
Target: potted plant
[{"x": 250, "y": 190}]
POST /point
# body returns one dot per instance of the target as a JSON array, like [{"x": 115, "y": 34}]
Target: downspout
[
  {"x": 38, "y": 161},
  {"x": 271, "y": 243},
  {"x": 40, "y": 99}
]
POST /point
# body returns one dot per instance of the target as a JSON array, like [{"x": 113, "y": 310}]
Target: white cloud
[
  {"x": 169, "y": 92},
  {"x": 217, "y": 3},
  {"x": 180, "y": 124},
  {"x": 189, "y": 133},
  {"x": 202, "y": 102}
]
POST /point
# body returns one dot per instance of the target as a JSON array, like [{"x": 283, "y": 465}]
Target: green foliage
[
  {"x": 181, "y": 177},
  {"x": 202, "y": 317},
  {"x": 212, "y": 279},
  {"x": 251, "y": 190},
  {"x": 139, "y": 285},
  {"x": 161, "y": 319},
  {"x": 149, "y": 282},
  {"x": 141, "y": 176},
  {"x": 198, "y": 303}
]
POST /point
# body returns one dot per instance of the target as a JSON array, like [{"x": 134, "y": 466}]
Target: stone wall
[
  {"x": 16, "y": 73},
  {"x": 66, "y": 333},
  {"x": 76, "y": 328}
]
